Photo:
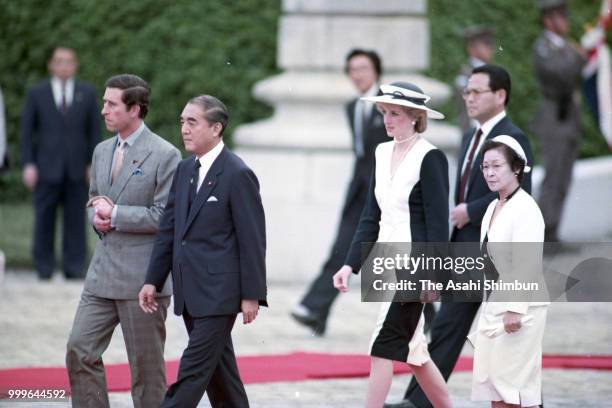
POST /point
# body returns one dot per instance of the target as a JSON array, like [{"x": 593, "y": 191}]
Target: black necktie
[
  {"x": 64, "y": 103},
  {"x": 468, "y": 166},
  {"x": 193, "y": 182}
]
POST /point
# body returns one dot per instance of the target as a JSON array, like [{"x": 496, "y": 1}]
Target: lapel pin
[{"x": 134, "y": 161}]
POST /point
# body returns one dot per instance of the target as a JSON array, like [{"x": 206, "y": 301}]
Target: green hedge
[
  {"x": 517, "y": 24},
  {"x": 183, "y": 48}
]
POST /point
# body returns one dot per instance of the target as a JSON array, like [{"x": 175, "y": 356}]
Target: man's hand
[
  {"x": 249, "y": 310},
  {"x": 459, "y": 215},
  {"x": 341, "y": 278},
  {"x": 146, "y": 298},
  {"x": 103, "y": 208},
  {"x": 512, "y": 322},
  {"x": 101, "y": 225},
  {"x": 30, "y": 176}
]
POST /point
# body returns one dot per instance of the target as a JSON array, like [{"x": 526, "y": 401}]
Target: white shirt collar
[
  {"x": 373, "y": 91},
  {"x": 56, "y": 87},
  {"x": 476, "y": 62},
  {"x": 207, "y": 160},
  {"x": 555, "y": 38},
  {"x": 490, "y": 124},
  {"x": 132, "y": 138}
]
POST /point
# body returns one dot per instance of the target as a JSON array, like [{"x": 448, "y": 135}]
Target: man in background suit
[
  {"x": 558, "y": 65},
  {"x": 486, "y": 96},
  {"x": 480, "y": 48},
  {"x": 364, "y": 70},
  {"x": 212, "y": 237},
  {"x": 60, "y": 127},
  {"x": 130, "y": 180}
]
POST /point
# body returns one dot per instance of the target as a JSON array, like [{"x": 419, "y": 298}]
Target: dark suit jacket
[
  {"x": 59, "y": 144},
  {"x": 478, "y": 194},
  {"x": 216, "y": 250},
  {"x": 374, "y": 133}
]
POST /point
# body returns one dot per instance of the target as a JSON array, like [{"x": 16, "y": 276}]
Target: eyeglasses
[
  {"x": 476, "y": 92},
  {"x": 496, "y": 167}
]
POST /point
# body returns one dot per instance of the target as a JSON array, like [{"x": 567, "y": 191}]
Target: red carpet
[{"x": 267, "y": 368}]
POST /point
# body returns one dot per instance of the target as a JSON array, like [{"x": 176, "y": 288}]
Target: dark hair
[
  {"x": 370, "y": 54},
  {"x": 51, "y": 51},
  {"x": 499, "y": 78},
  {"x": 215, "y": 111},
  {"x": 516, "y": 163},
  {"x": 136, "y": 91}
]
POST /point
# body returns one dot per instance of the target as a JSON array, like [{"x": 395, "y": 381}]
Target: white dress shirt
[
  {"x": 206, "y": 162},
  {"x": 56, "y": 86},
  {"x": 486, "y": 129}
]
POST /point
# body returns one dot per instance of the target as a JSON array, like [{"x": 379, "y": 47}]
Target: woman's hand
[
  {"x": 512, "y": 322},
  {"x": 341, "y": 278}
]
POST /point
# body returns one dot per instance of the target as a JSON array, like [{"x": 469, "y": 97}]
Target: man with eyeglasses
[{"x": 486, "y": 96}]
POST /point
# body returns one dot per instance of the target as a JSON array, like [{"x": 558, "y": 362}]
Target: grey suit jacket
[{"x": 119, "y": 264}]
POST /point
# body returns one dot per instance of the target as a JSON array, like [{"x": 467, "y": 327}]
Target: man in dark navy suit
[
  {"x": 486, "y": 96},
  {"x": 60, "y": 127},
  {"x": 212, "y": 236},
  {"x": 364, "y": 69}
]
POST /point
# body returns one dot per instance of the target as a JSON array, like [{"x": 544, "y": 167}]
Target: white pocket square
[{"x": 211, "y": 199}]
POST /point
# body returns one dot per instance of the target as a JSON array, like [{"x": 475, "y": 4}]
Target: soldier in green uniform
[
  {"x": 480, "y": 47},
  {"x": 558, "y": 63}
]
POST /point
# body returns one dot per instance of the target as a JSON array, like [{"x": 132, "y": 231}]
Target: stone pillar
[{"x": 302, "y": 153}]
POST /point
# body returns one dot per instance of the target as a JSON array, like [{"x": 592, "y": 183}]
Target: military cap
[
  {"x": 478, "y": 32},
  {"x": 551, "y": 5}
]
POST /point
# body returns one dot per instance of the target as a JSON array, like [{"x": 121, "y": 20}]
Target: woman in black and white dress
[{"x": 407, "y": 202}]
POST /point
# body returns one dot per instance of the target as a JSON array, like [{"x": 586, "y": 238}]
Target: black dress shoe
[
  {"x": 405, "y": 403},
  {"x": 306, "y": 318}
]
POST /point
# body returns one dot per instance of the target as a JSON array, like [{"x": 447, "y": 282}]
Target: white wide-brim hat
[
  {"x": 514, "y": 145},
  {"x": 404, "y": 94}
]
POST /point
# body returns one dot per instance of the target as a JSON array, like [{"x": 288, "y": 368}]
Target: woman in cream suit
[
  {"x": 508, "y": 338},
  {"x": 407, "y": 202}
]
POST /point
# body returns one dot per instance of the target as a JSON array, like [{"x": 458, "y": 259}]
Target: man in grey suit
[
  {"x": 558, "y": 64},
  {"x": 131, "y": 177}
]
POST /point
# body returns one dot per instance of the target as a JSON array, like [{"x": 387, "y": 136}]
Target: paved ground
[{"x": 35, "y": 318}]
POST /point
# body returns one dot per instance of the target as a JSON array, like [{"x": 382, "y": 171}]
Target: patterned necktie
[
  {"x": 468, "y": 166},
  {"x": 118, "y": 160},
  {"x": 193, "y": 182}
]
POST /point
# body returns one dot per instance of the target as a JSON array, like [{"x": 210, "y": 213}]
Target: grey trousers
[{"x": 144, "y": 336}]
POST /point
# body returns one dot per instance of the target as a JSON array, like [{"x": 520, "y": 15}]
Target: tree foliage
[
  {"x": 182, "y": 48},
  {"x": 517, "y": 25}
]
